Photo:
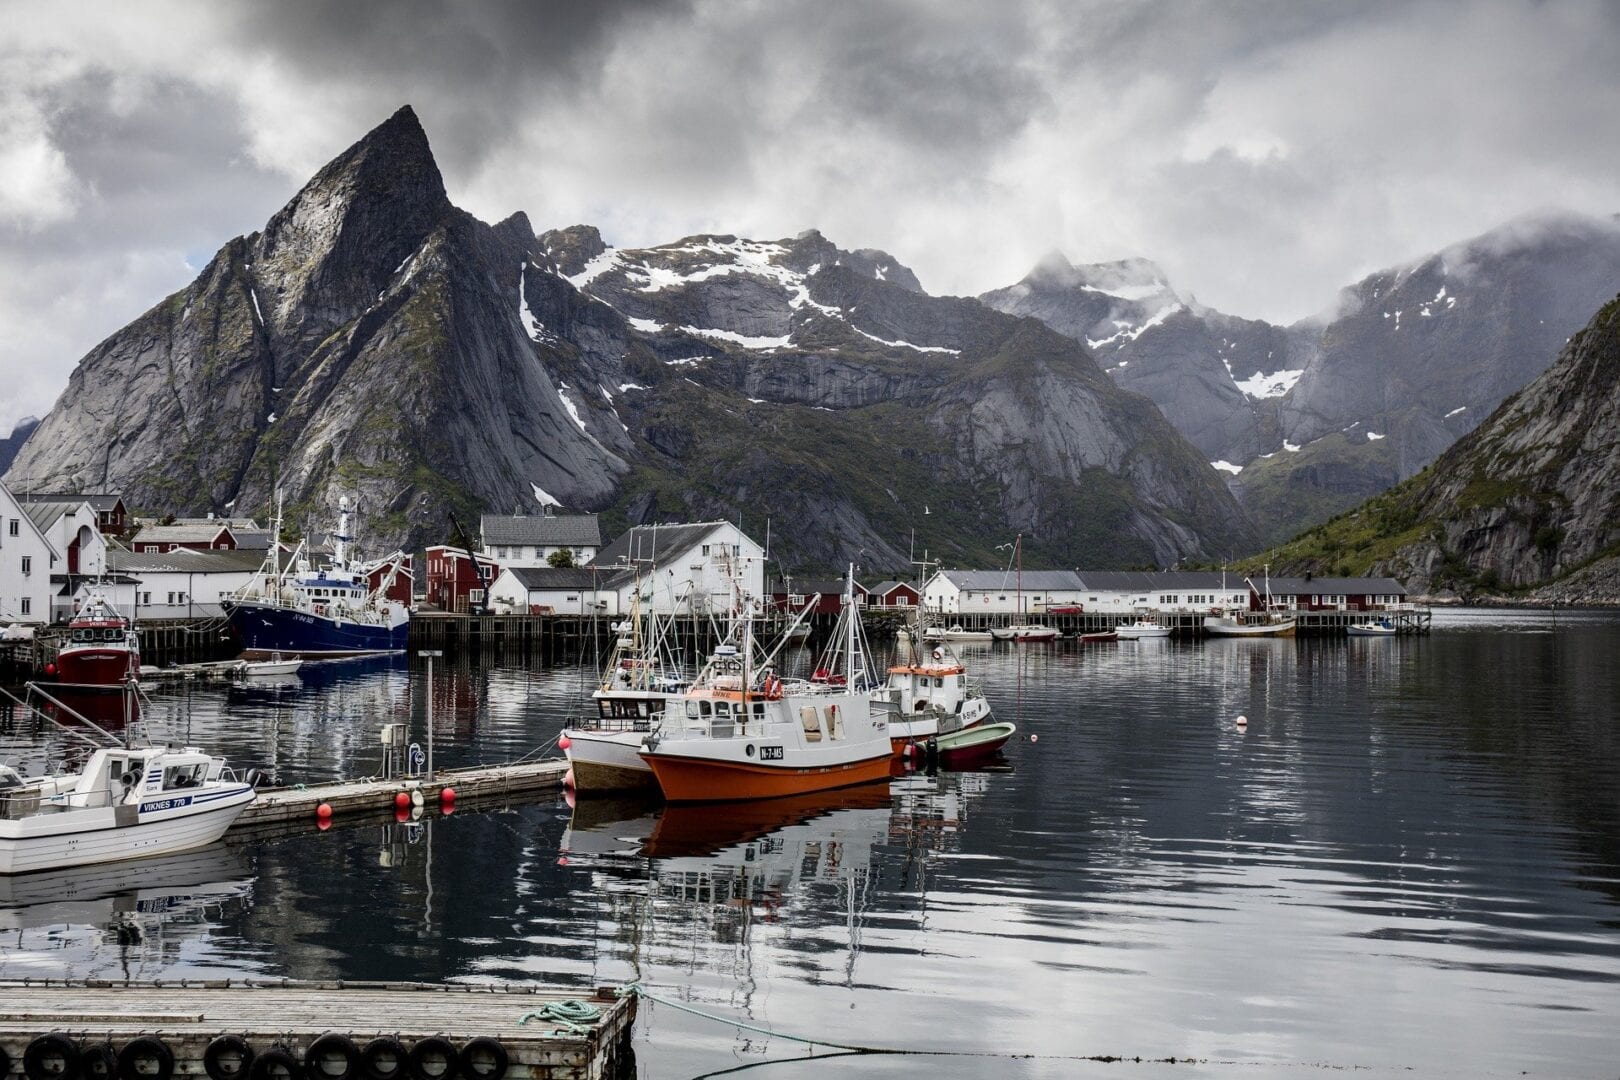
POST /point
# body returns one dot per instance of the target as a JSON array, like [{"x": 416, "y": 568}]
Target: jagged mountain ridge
[
  {"x": 1315, "y": 417},
  {"x": 377, "y": 342},
  {"x": 12, "y": 444},
  {"x": 1530, "y": 495}
]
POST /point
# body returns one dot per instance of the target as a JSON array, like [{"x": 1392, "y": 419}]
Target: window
[
  {"x": 146, "y": 598},
  {"x": 27, "y": 603},
  {"x": 475, "y": 596},
  {"x": 28, "y": 565},
  {"x": 15, "y": 526}
]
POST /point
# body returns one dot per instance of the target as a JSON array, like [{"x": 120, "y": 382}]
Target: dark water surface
[{"x": 1410, "y": 860}]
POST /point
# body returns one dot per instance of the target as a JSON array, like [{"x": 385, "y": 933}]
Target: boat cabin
[{"x": 123, "y": 775}]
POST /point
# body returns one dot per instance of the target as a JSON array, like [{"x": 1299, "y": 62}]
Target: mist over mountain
[
  {"x": 1312, "y": 418},
  {"x": 372, "y": 340}
]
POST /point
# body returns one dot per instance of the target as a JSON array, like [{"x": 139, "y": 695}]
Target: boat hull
[
  {"x": 103, "y": 666},
  {"x": 1142, "y": 633},
  {"x": 691, "y": 779},
  {"x": 104, "y": 840},
  {"x": 1222, "y": 628},
  {"x": 607, "y": 761},
  {"x": 972, "y": 743},
  {"x": 1370, "y": 631},
  {"x": 267, "y": 630}
]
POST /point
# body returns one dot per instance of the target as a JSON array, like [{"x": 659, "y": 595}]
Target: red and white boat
[
  {"x": 102, "y": 649},
  {"x": 747, "y": 734}
]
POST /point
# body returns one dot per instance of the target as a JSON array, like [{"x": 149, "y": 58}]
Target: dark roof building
[{"x": 541, "y": 530}]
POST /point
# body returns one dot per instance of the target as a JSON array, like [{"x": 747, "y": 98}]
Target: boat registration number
[
  {"x": 165, "y": 804},
  {"x": 770, "y": 753}
]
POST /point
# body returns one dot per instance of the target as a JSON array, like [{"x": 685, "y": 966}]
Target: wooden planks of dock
[{"x": 428, "y": 1029}]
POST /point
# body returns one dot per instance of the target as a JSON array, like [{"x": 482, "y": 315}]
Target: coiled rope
[{"x": 572, "y": 1017}]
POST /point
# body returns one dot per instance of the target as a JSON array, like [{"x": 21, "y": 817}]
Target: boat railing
[
  {"x": 34, "y": 800},
  {"x": 613, "y": 723}
]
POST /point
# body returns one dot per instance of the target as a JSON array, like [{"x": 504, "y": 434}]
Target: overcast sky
[{"x": 1264, "y": 153}]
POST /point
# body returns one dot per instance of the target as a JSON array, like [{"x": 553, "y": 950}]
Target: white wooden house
[
  {"x": 1121, "y": 592},
  {"x": 546, "y": 590},
  {"x": 512, "y": 540},
  {"x": 1000, "y": 592},
  {"x": 184, "y": 584},
  {"x": 27, "y": 561},
  {"x": 688, "y": 568}
]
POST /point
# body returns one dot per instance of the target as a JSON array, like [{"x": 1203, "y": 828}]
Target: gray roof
[
  {"x": 234, "y": 522},
  {"x": 1332, "y": 586},
  {"x": 1148, "y": 580},
  {"x": 179, "y": 534},
  {"x": 569, "y": 577},
  {"x": 1007, "y": 580},
  {"x": 884, "y": 588},
  {"x": 655, "y": 542},
  {"x": 100, "y": 502},
  {"x": 45, "y": 514},
  {"x": 183, "y": 560},
  {"x": 541, "y": 530},
  {"x": 252, "y": 539},
  {"x": 809, "y": 586}
]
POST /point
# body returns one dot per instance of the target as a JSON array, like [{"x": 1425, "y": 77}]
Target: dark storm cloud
[{"x": 1265, "y": 153}]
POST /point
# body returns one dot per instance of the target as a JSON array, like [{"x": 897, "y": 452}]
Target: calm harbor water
[{"x": 1409, "y": 862}]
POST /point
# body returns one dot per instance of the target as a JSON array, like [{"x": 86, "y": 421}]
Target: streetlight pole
[{"x": 430, "y": 654}]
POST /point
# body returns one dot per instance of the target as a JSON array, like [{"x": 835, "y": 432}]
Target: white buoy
[{"x": 1242, "y": 722}]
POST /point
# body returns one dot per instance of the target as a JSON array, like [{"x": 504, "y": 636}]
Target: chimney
[{"x": 1309, "y": 574}]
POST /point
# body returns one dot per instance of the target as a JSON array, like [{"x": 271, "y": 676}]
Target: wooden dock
[
  {"x": 226, "y": 1030},
  {"x": 482, "y": 785}
]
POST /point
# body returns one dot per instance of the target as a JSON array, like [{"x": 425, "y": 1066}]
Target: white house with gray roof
[
  {"x": 1000, "y": 592},
  {"x": 697, "y": 567},
  {"x": 514, "y": 540}
]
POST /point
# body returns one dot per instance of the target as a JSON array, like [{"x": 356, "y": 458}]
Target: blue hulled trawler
[{"x": 294, "y": 608}]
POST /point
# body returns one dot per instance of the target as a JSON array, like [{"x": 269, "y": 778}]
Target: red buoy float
[
  {"x": 402, "y": 800},
  {"x": 568, "y": 779},
  {"x": 448, "y": 795},
  {"x": 324, "y": 811},
  {"x": 564, "y": 742}
]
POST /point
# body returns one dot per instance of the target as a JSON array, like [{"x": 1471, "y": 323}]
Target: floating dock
[
  {"x": 474, "y": 787},
  {"x": 226, "y": 1030}
]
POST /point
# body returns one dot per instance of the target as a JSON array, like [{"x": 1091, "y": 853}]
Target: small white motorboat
[
  {"x": 1141, "y": 629},
  {"x": 955, "y": 632},
  {"x": 1381, "y": 628},
  {"x": 127, "y": 803},
  {"x": 273, "y": 666}
]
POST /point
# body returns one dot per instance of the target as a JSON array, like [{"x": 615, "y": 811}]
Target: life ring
[
  {"x": 53, "y": 1056},
  {"x": 228, "y": 1057},
  {"x": 773, "y": 688},
  {"x": 483, "y": 1058},
  {"x": 146, "y": 1058},
  {"x": 939, "y": 654},
  {"x": 332, "y": 1057}
]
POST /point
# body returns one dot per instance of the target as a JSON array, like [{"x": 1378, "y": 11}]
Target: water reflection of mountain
[{"x": 137, "y": 919}]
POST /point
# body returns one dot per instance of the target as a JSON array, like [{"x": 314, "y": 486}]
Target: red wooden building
[
  {"x": 457, "y": 581},
  {"x": 159, "y": 539},
  {"x": 402, "y": 588},
  {"x": 795, "y": 594},
  {"x": 893, "y": 594}
]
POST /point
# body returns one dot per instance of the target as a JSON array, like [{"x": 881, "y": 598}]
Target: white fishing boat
[
  {"x": 1381, "y": 628},
  {"x": 742, "y": 732},
  {"x": 126, "y": 803},
  {"x": 1240, "y": 622},
  {"x": 928, "y": 695},
  {"x": 643, "y": 672},
  {"x": 1140, "y": 630}
]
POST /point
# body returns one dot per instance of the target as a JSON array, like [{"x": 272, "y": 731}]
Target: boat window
[
  {"x": 692, "y": 709},
  {"x": 835, "y": 723},
  {"x": 759, "y": 709},
  {"x": 708, "y": 710},
  {"x": 722, "y": 708},
  {"x": 183, "y": 776}
]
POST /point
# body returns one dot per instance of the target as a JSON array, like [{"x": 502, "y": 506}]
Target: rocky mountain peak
[
  {"x": 572, "y": 248},
  {"x": 324, "y": 256}
]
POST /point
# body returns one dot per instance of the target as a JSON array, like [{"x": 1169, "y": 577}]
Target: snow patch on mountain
[
  {"x": 1262, "y": 385},
  {"x": 1227, "y": 467}
]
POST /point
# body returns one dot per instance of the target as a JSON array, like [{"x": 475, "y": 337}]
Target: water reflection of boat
[
  {"x": 95, "y": 895},
  {"x": 684, "y": 830},
  {"x": 610, "y": 825}
]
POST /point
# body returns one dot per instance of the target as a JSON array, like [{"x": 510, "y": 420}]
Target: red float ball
[
  {"x": 324, "y": 811},
  {"x": 564, "y": 742},
  {"x": 402, "y": 800},
  {"x": 50, "y": 669},
  {"x": 568, "y": 779},
  {"x": 448, "y": 795}
]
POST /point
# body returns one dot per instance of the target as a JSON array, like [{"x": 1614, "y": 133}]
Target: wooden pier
[{"x": 236, "y": 1030}]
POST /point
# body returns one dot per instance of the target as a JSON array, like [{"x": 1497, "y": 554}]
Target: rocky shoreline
[{"x": 1594, "y": 586}]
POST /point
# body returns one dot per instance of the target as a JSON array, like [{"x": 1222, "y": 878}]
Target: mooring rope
[{"x": 572, "y": 1017}]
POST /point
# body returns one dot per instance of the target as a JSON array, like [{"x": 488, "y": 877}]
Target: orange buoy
[{"x": 323, "y": 811}]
